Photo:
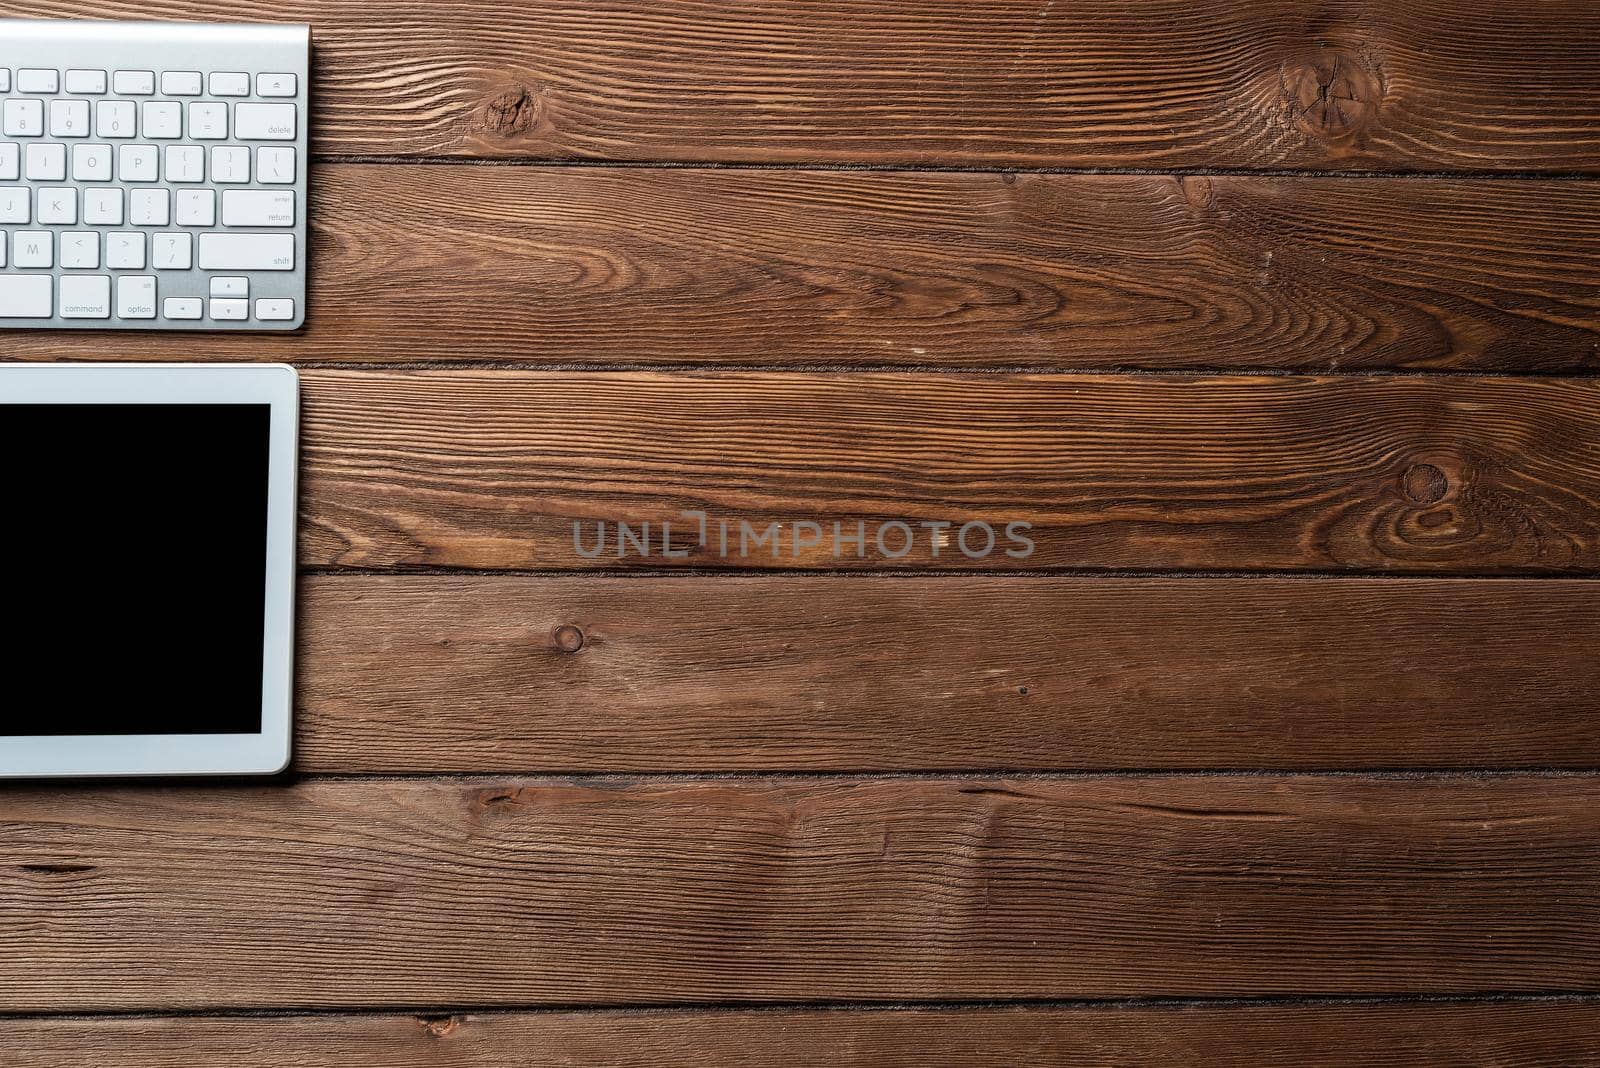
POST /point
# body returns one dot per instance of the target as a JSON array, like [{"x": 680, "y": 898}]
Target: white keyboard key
[
  {"x": 230, "y": 164},
  {"x": 114, "y": 119},
  {"x": 33, "y": 80},
  {"x": 275, "y": 166},
  {"x": 56, "y": 205},
  {"x": 186, "y": 163},
  {"x": 10, "y": 162},
  {"x": 22, "y": 118},
  {"x": 88, "y": 82},
  {"x": 80, "y": 250},
  {"x": 276, "y": 85},
  {"x": 46, "y": 163},
  {"x": 26, "y": 296},
  {"x": 230, "y": 310},
  {"x": 195, "y": 207},
  {"x": 227, "y": 286},
  {"x": 5, "y": 87},
  {"x": 163, "y": 120},
  {"x": 208, "y": 122},
  {"x": 69, "y": 118},
  {"x": 229, "y": 84},
  {"x": 85, "y": 296},
  {"x": 149, "y": 207},
  {"x": 264, "y": 122},
  {"x": 258, "y": 207},
  {"x": 133, "y": 83},
  {"x": 16, "y": 205},
  {"x": 91, "y": 163},
  {"x": 180, "y": 83},
  {"x": 171, "y": 252},
  {"x": 125, "y": 250},
  {"x": 137, "y": 163},
  {"x": 102, "y": 207},
  {"x": 182, "y": 308},
  {"x": 136, "y": 296},
  {"x": 33, "y": 248},
  {"x": 275, "y": 310},
  {"x": 246, "y": 252}
]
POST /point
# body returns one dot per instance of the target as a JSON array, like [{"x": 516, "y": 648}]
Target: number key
[
  {"x": 23, "y": 118},
  {"x": 113, "y": 118},
  {"x": 69, "y": 118}
]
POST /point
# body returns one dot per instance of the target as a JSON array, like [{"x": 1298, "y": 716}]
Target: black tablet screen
[{"x": 135, "y": 541}]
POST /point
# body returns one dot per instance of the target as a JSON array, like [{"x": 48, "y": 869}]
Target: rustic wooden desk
[{"x": 1275, "y": 320}]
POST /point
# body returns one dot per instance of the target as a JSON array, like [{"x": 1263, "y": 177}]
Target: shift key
[{"x": 246, "y": 252}]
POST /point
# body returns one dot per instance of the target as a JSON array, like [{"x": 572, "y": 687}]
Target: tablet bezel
[{"x": 263, "y": 753}]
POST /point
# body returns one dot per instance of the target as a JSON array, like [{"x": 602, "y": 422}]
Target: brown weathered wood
[
  {"x": 509, "y": 673},
  {"x": 384, "y": 893},
  {"x": 632, "y": 266},
  {"x": 492, "y": 469},
  {"x": 1476, "y": 85},
  {"x": 1552, "y": 1034}
]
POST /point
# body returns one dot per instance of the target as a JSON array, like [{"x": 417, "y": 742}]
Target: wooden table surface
[{"x": 1276, "y": 320}]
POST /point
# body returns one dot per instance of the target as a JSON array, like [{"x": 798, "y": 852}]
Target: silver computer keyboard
[{"x": 153, "y": 175}]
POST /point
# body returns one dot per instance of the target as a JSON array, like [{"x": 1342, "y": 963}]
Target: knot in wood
[
  {"x": 568, "y": 638},
  {"x": 1197, "y": 191},
  {"x": 511, "y": 111},
  {"x": 439, "y": 1026},
  {"x": 1425, "y": 484},
  {"x": 1331, "y": 94}
]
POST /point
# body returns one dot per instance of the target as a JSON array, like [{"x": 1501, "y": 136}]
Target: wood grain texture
[
  {"x": 486, "y": 892},
  {"x": 493, "y": 469},
  {"x": 1545, "y": 1034},
  {"x": 510, "y": 673},
  {"x": 1472, "y": 85},
  {"x": 562, "y": 266}
]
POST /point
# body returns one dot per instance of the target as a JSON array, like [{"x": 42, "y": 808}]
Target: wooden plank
[
  {"x": 485, "y": 892},
  {"x": 510, "y": 673},
  {"x": 559, "y": 266},
  {"x": 1544, "y": 1034},
  {"x": 496, "y": 469},
  {"x": 1101, "y": 83}
]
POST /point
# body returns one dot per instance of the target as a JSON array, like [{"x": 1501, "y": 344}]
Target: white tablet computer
[{"x": 147, "y": 527}]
